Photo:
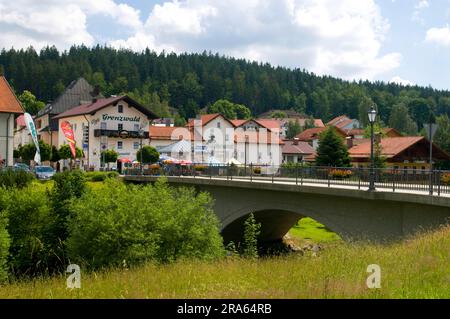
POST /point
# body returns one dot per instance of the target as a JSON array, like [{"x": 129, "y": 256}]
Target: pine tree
[{"x": 331, "y": 150}]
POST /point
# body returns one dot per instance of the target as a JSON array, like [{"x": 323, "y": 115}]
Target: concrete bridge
[{"x": 354, "y": 214}]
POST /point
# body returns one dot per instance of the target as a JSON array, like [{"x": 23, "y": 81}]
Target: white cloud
[
  {"x": 440, "y": 36},
  {"x": 342, "y": 38},
  {"x": 399, "y": 80},
  {"x": 422, "y": 4},
  {"x": 418, "y": 8},
  {"x": 40, "y": 23}
]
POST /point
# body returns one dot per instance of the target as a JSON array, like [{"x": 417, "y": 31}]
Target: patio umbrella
[
  {"x": 124, "y": 160},
  {"x": 234, "y": 161},
  {"x": 185, "y": 162}
]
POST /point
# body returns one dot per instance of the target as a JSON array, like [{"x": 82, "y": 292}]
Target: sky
[{"x": 402, "y": 41}]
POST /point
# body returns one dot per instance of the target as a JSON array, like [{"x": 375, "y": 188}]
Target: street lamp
[{"x": 372, "y": 117}]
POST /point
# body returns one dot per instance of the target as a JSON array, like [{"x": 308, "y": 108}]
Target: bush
[
  {"x": 257, "y": 170},
  {"x": 340, "y": 173},
  {"x": 100, "y": 176},
  {"x": 251, "y": 233},
  {"x": 446, "y": 179},
  {"x": 142, "y": 223},
  {"x": 28, "y": 211},
  {"x": 200, "y": 168},
  {"x": 68, "y": 186},
  {"x": 4, "y": 240},
  {"x": 11, "y": 178}
]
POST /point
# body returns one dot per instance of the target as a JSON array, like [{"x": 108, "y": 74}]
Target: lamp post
[
  {"x": 372, "y": 117},
  {"x": 431, "y": 129}
]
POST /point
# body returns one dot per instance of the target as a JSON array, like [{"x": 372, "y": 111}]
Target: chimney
[
  {"x": 349, "y": 142},
  {"x": 296, "y": 139}
]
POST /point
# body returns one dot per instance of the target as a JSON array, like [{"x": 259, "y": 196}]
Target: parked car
[
  {"x": 44, "y": 172},
  {"x": 22, "y": 166}
]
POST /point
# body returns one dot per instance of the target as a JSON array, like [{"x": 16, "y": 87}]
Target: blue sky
[{"x": 405, "y": 41}]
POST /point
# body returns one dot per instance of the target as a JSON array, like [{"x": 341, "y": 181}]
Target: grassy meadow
[{"x": 417, "y": 268}]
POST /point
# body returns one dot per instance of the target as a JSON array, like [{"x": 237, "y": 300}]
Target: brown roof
[
  {"x": 91, "y": 108},
  {"x": 206, "y": 118},
  {"x": 290, "y": 147},
  {"x": 343, "y": 123},
  {"x": 256, "y": 137},
  {"x": 171, "y": 133},
  {"x": 338, "y": 119},
  {"x": 310, "y": 134},
  {"x": 390, "y": 146},
  {"x": 392, "y": 132},
  {"x": 238, "y": 122},
  {"x": 8, "y": 100}
]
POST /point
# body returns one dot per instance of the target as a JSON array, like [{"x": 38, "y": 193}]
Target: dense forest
[{"x": 188, "y": 83}]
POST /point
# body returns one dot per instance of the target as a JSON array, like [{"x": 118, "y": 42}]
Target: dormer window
[{"x": 120, "y": 108}]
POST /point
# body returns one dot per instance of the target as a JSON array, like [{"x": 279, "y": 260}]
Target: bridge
[{"x": 345, "y": 207}]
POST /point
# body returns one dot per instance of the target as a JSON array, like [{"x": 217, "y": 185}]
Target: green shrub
[
  {"x": 10, "y": 178},
  {"x": 67, "y": 186},
  {"x": 28, "y": 211},
  {"x": 141, "y": 223},
  {"x": 4, "y": 239},
  {"x": 251, "y": 233},
  {"x": 100, "y": 176}
]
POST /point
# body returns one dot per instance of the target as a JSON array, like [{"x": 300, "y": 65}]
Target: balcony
[{"x": 117, "y": 134}]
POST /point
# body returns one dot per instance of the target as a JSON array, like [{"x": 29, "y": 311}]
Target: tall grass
[{"x": 417, "y": 268}]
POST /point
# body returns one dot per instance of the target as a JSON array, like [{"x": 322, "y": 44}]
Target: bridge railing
[{"x": 436, "y": 182}]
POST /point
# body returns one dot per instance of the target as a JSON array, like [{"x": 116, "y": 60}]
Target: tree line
[{"x": 184, "y": 85}]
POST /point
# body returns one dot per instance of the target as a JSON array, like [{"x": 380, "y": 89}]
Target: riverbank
[{"x": 418, "y": 268}]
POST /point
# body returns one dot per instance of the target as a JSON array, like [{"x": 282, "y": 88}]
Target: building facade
[
  {"x": 10, "y": 108},
  {"x": 116, "y": 123}
]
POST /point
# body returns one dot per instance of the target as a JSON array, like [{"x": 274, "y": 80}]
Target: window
[
  {"x": 136, "y": 145},
  {"x": 218, "y": 124},
  {"x": 119, "y": 145},
  {"x": 103, "y": 125},
  {"x": 120, "y": 127},
  {"x": 120, "y": 108},
  {"x": 136, "y": 127},
  {"x": 227, "y": 138}
]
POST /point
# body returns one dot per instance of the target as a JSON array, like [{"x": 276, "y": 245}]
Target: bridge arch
[{"x": 276, "y": 221}]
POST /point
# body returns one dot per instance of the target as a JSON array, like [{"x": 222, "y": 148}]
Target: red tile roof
[
  {"x": 206, "y": 118},
  {"x": 334, "y": 121},
  {"x": 310, "y": 134},
  {"x": 290, "y": 147},
  {"x": 256, "y": 137},
  {"x": 171, "y": 133},
  {"x": 390, "y": 147},
  {"x": 8, "y": 100},
  {"x": 269, "y": 124},
  {"x": 343, "y": 123},
  {"x": 238, "y": 122},
  {"x": 91, "y": 108}
]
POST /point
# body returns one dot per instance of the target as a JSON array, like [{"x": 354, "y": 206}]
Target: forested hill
[{"x": 189, "y": 82}]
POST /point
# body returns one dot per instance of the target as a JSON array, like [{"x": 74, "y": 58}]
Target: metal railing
[{"x": 386, "y": 179}]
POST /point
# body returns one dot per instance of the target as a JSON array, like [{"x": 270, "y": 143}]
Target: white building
[
  {"x": 10, "y": 107},
  {"x": 116, "y": 123}
]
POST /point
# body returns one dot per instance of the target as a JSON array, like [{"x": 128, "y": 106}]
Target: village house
[
  {"x": 116, "y": 123},
  {"x": 77, "y": 92},
  {"x": 10, "y": 108},
  {"x": 295, "y": 151},
  {"x": 409, "y": 152}
]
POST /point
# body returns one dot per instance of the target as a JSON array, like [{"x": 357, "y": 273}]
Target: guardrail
[{"x": 434, "y": 182}]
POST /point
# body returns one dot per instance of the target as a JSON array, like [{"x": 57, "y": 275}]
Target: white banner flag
[{"x": 32, "y": 129}]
